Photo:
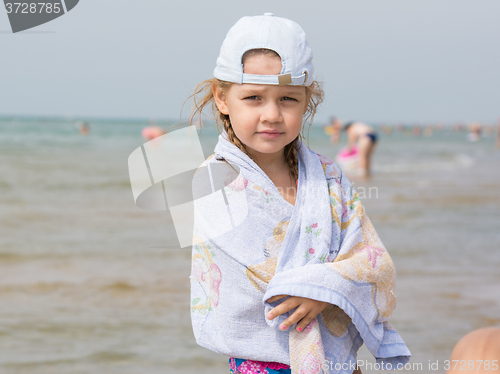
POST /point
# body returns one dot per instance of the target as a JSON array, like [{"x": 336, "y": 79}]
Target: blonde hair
[{"x": 203, "y": 96}]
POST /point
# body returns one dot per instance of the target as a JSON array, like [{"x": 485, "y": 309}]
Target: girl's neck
[
  {"x": 277, "y": 169},
  {"x": 270, "y": 163}
]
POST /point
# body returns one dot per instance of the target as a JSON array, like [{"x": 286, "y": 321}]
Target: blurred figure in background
[
  {"x": 417, "y": 131},
  {"x": 498, "y": 135},
  {"x": 152, "y": 132},
  {"x": 489, "y": 129},
  {"x": 361, "y": 139},
  {"x": 83, "y": 127},
  {"x": 334, "y": 130},
  {"x": 428, "y": 131},
  {"x": 479, "y": 350},
  {"x": 387, "y": 129},
  {"x": 474, "y": 132}
]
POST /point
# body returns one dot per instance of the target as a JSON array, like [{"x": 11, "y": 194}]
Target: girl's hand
[{"x": 307, "y": 309}]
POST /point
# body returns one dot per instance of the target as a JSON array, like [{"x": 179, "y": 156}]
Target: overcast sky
[{"x": 380, "y": 60}]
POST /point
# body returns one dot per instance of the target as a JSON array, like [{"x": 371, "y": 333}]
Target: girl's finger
[
  {"x": 284, "y": 307},
  {"x": 294, "y": 318},
  {"x": 305, "y": 321},
  {"x": 274, "y": 298}
]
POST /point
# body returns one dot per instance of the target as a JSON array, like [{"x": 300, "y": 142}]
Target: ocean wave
[{"x": 460, "y": 161}]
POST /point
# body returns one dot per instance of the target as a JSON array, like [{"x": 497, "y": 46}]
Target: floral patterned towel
[{"x": 250, "y": 244}]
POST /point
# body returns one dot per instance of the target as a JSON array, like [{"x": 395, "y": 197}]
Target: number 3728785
[
  {"x": 32, "y": 8},
  {"x": 471, "y": 365}
]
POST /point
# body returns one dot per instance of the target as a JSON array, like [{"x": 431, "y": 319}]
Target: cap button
[{"x": 268, "y": 14}]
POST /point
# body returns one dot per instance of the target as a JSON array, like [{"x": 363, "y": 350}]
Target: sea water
[{"x": 89, "y": 283}]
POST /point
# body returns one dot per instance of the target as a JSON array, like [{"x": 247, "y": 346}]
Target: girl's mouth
[{"x": 270, "y": 134}]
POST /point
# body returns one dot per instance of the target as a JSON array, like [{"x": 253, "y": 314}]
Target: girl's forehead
[{"x": 249, "y": 88}]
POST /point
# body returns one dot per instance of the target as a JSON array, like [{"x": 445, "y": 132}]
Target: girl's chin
[{"x": 266, "y": 150}]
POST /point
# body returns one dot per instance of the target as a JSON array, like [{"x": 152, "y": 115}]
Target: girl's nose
[{"x": 271, "y": 113}]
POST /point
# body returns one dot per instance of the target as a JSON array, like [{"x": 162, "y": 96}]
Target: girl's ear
[{"x": 219, "y": 98}]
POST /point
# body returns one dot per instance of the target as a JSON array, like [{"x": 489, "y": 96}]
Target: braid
[
  {"x": 291, "y": 158},
  {"x": 230, "y": 133}
]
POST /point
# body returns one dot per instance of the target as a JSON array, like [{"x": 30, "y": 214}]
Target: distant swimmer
[
  {"x": 474, "y": 132},
  {"x": 83, "y": 127},
  {"x": 477, "y": 352},
  {"x": 417, "y": 130},
  {"x": 152, "y": 132},
  {"x": 498, "y": 135},
  {"x": 428, "y": 131},
  {"x": 360, "y": 137}
]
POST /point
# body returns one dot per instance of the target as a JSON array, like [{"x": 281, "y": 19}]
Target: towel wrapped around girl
[{"x": 323, "y": 248}]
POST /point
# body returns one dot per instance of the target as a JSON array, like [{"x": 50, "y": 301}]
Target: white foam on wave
[{"x": 460, "y": 161}]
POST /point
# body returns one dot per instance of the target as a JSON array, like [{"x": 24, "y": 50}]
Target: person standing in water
[
  {"x": 82, "y": 127},
  {"x": 362, "y": 136},
  {"x": 497, "y": 144}
]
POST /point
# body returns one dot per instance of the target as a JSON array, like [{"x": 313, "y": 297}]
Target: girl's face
[{"x": 264, "y": 117}]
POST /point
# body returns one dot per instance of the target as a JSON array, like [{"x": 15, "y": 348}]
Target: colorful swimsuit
[{"x": 241, "y": 366}]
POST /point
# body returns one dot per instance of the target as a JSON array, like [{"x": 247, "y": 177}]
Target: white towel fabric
[{"x": 323, "y": 248}]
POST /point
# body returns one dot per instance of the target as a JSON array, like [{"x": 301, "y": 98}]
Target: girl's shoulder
[
  {"x": 220, "y": 169},
  {"x": 206, "y": 177},
  {"x": 330, "y": 168},
  {"x": 335, "y": 178},
  {"x": 213, "y": 158},
  {"x": 201, "y": 178}
]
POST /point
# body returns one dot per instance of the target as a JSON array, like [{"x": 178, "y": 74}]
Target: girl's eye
[
  {"x": 251, "y": 98},
  {"x": 287, "y": 98}
]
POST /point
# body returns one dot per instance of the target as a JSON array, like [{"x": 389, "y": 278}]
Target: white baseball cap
[{"x": 281, "y": 35}]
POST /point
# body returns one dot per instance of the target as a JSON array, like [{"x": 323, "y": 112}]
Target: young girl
[{"x": 288, "y": 274}]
